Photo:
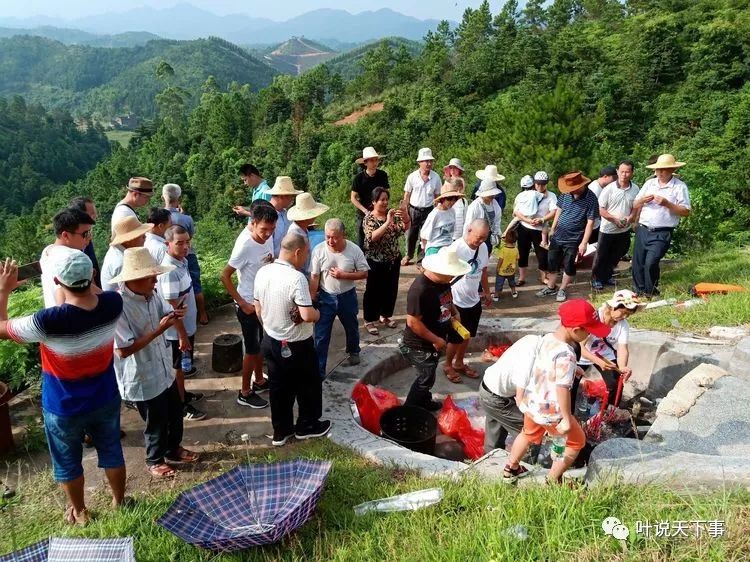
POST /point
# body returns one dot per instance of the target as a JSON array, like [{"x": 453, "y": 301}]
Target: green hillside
[
  {"x": 105, "y": 82},
  {"x": 297, "y": 55},
  {"x": 348, "y": 64},
  {"x": 78, "y": 37}
]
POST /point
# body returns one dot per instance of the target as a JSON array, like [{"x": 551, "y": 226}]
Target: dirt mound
[{"x": 357, "y": 115}]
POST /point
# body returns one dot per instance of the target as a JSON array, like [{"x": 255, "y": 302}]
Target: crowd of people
[{"x": 124, "y": 332}]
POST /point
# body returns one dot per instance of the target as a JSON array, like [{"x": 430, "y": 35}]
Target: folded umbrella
[
  {"x": 74, "y": 550},
  {"x": 247, "y": 506}
]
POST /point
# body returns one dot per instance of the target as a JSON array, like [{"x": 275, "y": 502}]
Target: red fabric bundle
[
  {"x": 497, "y": 350},
  {"x": 454, "y": 422},
  {"x": 371, "y": 402}
]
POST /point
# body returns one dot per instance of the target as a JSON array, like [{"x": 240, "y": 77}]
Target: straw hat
[
  {"x": 128, "y": 229},
  {"x": 446, "y": 262},
  {"x": 142, "y": 185},
  {"x": 425, "y": 154},
  {"x": 456, "y": 163},
  {"x": 447, "y": 191},
  {"x": 138, "y": 263},
  {"x": 306, "y": 208},
  {"x": 666, "y": 161},
  {"x": 572, "y": 181},
  {"x": 283, "y": 186},
  {"x": 487, "y": 188},
  {"x": 367, "y": 153},
  {"x": 489, "y": 173}
]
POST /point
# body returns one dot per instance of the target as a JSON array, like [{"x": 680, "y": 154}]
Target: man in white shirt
[
  {"x": 498, "y": 390},
  {"x": 283, "y": 303},
  {"x": 72, "y": 234},
  {"x": 471, "y": 249},
  {"x": 662, "y": 202},
  {"x": 334, "y": 268},
  {"x": 420, "y": 190},
  {"x": 252, "y": 250},
  {"x": 128, "y": 233},
  {"x": 606, "y": 176},
  {"x": 616, "y": 209},
  {"x": 139, "y": 194},
  {"x": 155, "y": 242}
]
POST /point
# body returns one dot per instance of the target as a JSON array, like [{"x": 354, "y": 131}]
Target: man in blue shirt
[{"x": 577, "y": 209}]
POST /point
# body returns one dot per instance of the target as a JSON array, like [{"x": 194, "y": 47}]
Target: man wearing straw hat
[
  {"x": 282, "y": 194},
  {"x": 302, "y": 215},
  {"x": 126, "y": 233},
  {"x": 662, "y": 202},
  {"x": 420, "y": 190},
  {"x": 143, "y": 364},
  {"x": 362, "y": 185},
  {"x": 138, "y": 195},
  {"x": 79, "y": 390},
  {"x": 577, "y": 209},
  {"x": 252, "y": 250},
  {"x": 429, "y": 312}
]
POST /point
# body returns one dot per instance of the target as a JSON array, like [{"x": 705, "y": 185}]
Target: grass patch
[
  {"x": 123, "y": 137},
  {"x": 721, "y": 264},
  {"x": 469, "y": 524}
]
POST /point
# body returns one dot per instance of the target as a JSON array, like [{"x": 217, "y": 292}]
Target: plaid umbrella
[
  {"x": 74, "y": 550},
  {"x": 248, "y": 506}
]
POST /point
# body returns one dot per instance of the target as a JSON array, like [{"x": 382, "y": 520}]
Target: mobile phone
[
  {"x": 181, "y": 302},
  {"x": 29, "y": 271}
]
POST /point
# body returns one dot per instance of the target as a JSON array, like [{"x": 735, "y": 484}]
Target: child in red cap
[{"x": 545, "y": 401}]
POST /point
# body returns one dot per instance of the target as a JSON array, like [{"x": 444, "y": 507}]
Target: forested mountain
[
  {"x": 78, "y": 37},
  {"x": 561, "y": 85},
  {"x": 350, "y": 63},
  {"x": 40, "y": 150},
  {"x": 297, "y": 55},
  {"x": 104, "y": 82}
]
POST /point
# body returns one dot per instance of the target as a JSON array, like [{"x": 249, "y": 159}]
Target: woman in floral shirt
[{"x": 383, "y": 229}]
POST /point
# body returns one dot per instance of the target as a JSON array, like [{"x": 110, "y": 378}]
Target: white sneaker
[{"x": 562, "y": 296}]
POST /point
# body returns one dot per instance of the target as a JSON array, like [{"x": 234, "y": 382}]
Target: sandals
[
  {"x": 388, "y": 322},
  {"x": 82, "y": 518},
  {"x": 406, "y": 261},
  {"x": 452, "y": 374},
  {"x": 184, "y": 456},
  {"x": 520, "y": 282},
  {"x": 467, "y": 371},
  {"x": 162, "y": 470},
  {"x": 371, "y": 328}
]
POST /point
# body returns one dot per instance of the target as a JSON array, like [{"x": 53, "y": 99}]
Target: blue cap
[{"x": 77, "y": 271}]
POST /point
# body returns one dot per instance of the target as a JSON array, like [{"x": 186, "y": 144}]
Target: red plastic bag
[
  {"x": 454, "y": 422},
  {"x": 371, "y": 402},
  {"x": 497, "y": 350},
  {"x": 595, "y": 388}
]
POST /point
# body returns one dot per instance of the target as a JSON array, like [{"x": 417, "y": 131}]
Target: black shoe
[
  {"x": 259, "y": 387},
  {"x": 432, "y": 405},
  {"x": 191, "y": 373},
  {"x": 610, "y": 282},
  {"x": 252, "y": 400},
  {"x": 280, "y": 439},
  {"x": 129, "y": 405},
  {"x": 191, "y": 397},
  {"x": 320, "y": 429},
  {"x": 189, "y": 413}
]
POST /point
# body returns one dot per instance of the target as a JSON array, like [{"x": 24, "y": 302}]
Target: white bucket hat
[
  {"x": 306, "y": 208},
  {"x": 128, "y": 229},
  {"x": 456, "y": 163},
  {"x": 487, "y": 188},
  {"x": 283, "y": 186},
  {"x": 138, "y": 263},
  {"x": 489, "y": 173},
  {"x": 665, "y": 161},
  {"x": 425, "y": 154},
  {"x": 367, "y": 153},
  {"x": 446, "y": 262}
]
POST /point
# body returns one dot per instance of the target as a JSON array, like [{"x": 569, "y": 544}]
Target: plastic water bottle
[
  {"x": 403, "y": 502},
  {"x": 595, "y": 407},
  {"x": 286, "y": 353},
  {"x": 558, "y": 448},
  {"x": 186, "y": 363}
]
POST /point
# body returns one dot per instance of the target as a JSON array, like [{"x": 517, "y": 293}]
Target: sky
[{"x": 71, "y": 9}]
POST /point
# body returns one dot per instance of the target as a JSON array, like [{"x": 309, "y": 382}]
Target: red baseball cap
[{"x": 579, "y": 313}]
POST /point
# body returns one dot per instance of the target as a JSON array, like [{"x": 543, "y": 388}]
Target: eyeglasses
[{"x": 86, "y": 234}]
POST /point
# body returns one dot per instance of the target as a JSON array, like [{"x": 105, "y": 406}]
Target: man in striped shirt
[{"x": 79, "y": 390}]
